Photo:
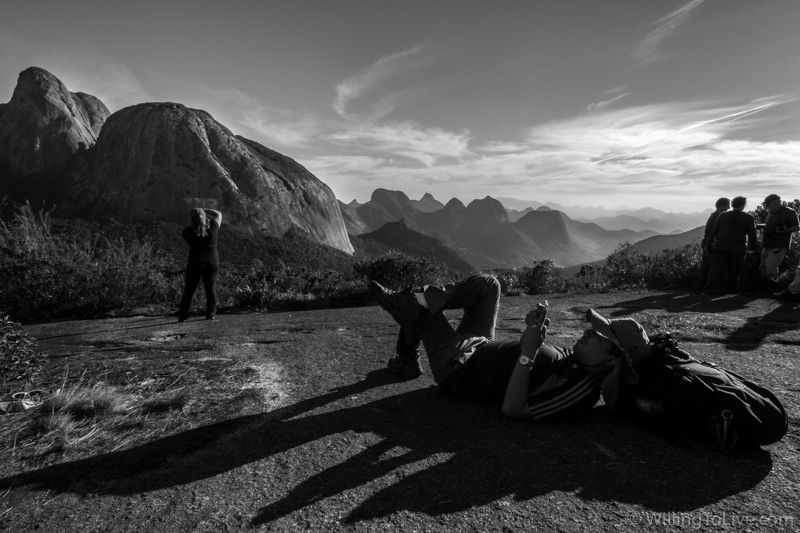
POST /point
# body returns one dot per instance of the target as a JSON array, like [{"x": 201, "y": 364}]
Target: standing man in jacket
[
  {"x": 733, "y": 235},
  {"x": 722, "y": 205}
]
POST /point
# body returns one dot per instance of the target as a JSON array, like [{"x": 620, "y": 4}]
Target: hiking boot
[
  {"x": 408, "y": 367},
  {"x": 402, "y": 305}
]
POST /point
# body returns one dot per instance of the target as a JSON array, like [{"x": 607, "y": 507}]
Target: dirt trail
[{"x": 296, "y": 426}]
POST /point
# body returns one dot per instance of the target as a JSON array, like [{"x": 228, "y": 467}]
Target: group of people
[{"x": 731, "y": 236}]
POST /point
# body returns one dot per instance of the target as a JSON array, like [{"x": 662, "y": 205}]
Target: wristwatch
[{"x": 524, "y": 360}]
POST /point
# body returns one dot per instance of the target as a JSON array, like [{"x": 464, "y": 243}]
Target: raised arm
[
  {"x": 215, "y": 215},
  {"x": 515, "y": 403}
]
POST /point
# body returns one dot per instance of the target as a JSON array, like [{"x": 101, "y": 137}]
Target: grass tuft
[
  {"x": 80, "y": 401},
  {"x": 171, "y": 401}
]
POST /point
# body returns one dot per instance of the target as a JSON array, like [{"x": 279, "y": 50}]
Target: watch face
[{"x": 524, "y": 360}]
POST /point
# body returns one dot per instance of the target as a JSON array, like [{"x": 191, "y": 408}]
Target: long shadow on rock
[
  {"x": 674, "y": 303},
  {"x": 489, "y": 458},
  {"x": 752, "y": 333},
  {"x": 453, "y": 455}
]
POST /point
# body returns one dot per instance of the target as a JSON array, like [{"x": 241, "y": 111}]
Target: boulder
[
  {"x": 155, "y": 161},
  {"x": 44, "y": 125}
]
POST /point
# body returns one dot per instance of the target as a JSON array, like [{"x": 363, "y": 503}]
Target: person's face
[
  {"x": 773, "y": 206},
  {"x": 593, "y": 346}
]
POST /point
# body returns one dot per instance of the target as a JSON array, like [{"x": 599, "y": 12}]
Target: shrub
[
  {"x": 49, "y": 275},
  {"x": 538, "y": 279},
  {"x": 674, "y": 269},
  {"x": 626, "y": 267},
  {"x": 297, "y": 288},
  {"x": 396, "y": 269},
  {"x": 19, "y": 361}
]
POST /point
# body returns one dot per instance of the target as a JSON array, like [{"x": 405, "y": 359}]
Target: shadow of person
[
  {"x": 750, "y": 335},
  {"x": 681, "y": 302},
  {"x": 420, "y": 451}
]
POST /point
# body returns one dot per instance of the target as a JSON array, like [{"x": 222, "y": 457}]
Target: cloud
[
  {"x": 355, "y": 87},
  {"x": 609, "y": 156},
  {"x": 408, "y": 139},
  {"x": 269, "y": 125},
  {"x": 646, "y": 52},
  {"x": 612, "y": 96}
]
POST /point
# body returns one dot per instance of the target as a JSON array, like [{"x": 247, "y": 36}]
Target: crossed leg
[{"x": 478, "y": 296}]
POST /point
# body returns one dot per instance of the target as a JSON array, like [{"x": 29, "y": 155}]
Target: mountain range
[
  {"x": 486, "y": 234},
  {"x": 153, "y": 161}
]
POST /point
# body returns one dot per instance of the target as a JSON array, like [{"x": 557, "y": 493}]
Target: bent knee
[{"x": 488, "y": 280}]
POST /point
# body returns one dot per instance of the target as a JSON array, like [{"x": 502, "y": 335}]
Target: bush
[
  {"x": 674, "y": 269},
  {"x": 48, "y": 275},
  {"x": 396, "y": 269},
  {"x": 626, "y": 267},
  {"x": 297, "y": 288},
  {"x": 541, "y": 278},
  {"x": 19, "y": 361}
]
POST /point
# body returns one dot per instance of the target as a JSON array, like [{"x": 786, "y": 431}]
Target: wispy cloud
[
  {"x": 408, "y": 139},
  {"x": 610, "y": 97},
  {"x": 275, "y": 127},
  {"x": 637, "y": 151},
  {"x": 646, "y": 52},
  {"x": 356, "y": 86}
]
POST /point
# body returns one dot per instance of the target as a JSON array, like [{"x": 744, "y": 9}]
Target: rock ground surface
[{"x": 294, "y": 426}]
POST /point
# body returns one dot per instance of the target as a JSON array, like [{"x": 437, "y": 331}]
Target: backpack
[{"x": 680, "y": 398}]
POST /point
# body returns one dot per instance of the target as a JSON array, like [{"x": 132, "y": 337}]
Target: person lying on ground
[{"x": 528, "y": 377}]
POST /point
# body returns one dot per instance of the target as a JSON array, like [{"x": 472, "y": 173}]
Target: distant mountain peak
[
  {"x": 395, "y": 196},
  {"x": 455, "y": 203}
]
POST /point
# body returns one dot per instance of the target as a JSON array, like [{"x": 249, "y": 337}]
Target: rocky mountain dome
[
  {"x": 44, "y": 124},
  {"x": 155, "y": 161}
]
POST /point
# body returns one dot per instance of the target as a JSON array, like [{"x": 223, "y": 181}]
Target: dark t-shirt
[
  {"x": 785, "y": 216},
  {"x": 203, "y": 248},
  {"x": 733, "y": 231},
  {"x": 557, "y": 383}
]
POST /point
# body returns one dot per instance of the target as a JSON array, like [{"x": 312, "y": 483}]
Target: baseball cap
[
  {"x": 626, "y": 333},
  {"x": 631, "y": 337}
]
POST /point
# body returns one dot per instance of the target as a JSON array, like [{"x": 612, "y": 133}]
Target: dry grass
[
  {"x": 83, "y": 416},
  {"x": 167, "y": 401}
]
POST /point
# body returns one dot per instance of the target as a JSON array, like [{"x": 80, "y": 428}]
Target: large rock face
[
  {"x": 44, "y": 125},
  {"x": 155, "y": 161}
]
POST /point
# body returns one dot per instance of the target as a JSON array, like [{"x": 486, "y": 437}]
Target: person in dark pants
[
  {"x": 733, "y": 235},
  {"x": 203, "y": 259},
  {"x": 722, "y": 205},
  {"x": 527, "y": 377}
]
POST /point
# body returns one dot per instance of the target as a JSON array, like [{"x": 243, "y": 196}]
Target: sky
[{"x": 624, "y": 103}]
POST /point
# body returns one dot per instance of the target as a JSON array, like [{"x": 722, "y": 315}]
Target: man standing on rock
[
  {"x": 722, "y": 205},
  {"x": 778, "y": 228},
  {"x": 733, "y": 235},
  {"x": 529, "y": 378}
]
